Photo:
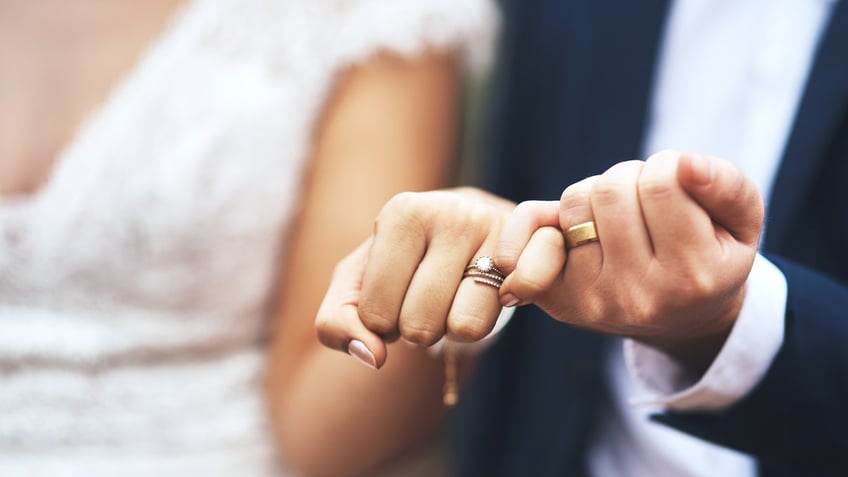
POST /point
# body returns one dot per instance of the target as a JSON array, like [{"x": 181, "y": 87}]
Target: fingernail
[
  {"x": 358, "y": 350},
  {"x": 702, "y": 168},
  {"x": 509, "y": 300}
]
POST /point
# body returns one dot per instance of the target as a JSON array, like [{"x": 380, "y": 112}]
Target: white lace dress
[{"x": 135, "y": 285}]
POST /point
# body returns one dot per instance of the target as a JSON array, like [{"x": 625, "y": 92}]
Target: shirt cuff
[{"x": 744, "y": 359}]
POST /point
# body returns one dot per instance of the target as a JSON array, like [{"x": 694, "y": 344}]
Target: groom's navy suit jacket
[{"x": 570, "y": 99}]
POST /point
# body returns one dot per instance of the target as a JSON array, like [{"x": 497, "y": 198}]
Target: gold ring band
[{"x": 580, "y": 234}]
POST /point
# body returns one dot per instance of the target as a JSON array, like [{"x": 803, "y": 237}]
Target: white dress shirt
[{"x": 729, "y": 82}]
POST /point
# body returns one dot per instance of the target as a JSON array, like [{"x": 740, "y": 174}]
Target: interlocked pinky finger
[
  {"x": 539, "y": 265},
  {"x": 525, "y": 219}
]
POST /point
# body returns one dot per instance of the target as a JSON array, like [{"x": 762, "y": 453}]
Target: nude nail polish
[{"x": 358, "y": 350}]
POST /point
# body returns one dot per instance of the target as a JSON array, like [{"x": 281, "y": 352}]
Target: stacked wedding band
[{"x": 484, "y": 271}]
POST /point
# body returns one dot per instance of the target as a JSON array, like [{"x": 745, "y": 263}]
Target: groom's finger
[{"x": 729, "y": 198}]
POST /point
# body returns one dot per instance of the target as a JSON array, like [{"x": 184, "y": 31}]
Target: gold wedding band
[{"x": 580, "y": 234}]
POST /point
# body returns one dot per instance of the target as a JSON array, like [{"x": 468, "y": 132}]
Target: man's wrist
[{"x": 745, "y": 357}]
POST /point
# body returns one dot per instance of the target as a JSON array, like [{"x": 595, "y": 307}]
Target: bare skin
[
  {"x": 60, "y": 61},
  {"x": 678, "y": 236},
  {"x": 388, "y": 127},
  {"x": 679, "y": 233}
]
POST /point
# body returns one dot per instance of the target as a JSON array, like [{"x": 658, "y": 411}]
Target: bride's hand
[{"x": 406, "y": 281}]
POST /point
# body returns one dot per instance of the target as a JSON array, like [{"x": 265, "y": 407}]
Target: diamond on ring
[
  {"x": 484, "y": 271},
  {"x": 484, "y": 264}
]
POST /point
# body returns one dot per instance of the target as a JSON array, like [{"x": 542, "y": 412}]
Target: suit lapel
[{"x": 822, "y": 109}]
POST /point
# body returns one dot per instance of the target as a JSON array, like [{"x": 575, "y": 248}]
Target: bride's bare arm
[{"x": 388, "y": 127}]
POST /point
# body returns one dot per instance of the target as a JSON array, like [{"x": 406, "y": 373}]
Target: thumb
[
  {"x": 338, "y": 325},
  {"x": 729, "y": 198}
]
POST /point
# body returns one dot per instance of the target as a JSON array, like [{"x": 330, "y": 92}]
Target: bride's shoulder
[{"x": 410, "y": 26}]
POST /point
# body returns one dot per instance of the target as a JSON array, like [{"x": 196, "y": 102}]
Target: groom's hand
[{"x": 677, "y": 236}]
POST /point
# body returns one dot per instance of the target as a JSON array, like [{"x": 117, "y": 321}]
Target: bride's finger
[
  {"x": 520, "y": 225},
  {"x": 539, "y": 265},
  {"x": 431, "y": 290},
  {"x": 476, "y": 306},
  {"x": 337, "y": 323},
  {"x": 399, "y": 243}
]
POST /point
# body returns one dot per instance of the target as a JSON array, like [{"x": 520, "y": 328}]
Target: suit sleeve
[{"x": 797, "y": 416}]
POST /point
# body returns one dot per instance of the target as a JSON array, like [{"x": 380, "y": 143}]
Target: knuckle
[
  {"x": 469, "y": 327},
  {"x": 739, "y": 188},
  {"x": 552, "y": 241},
  {"x": 551, "y": 236},
  {"x": 595, "y": 312},
  {"x": 696, "y": 284},
  {"x": 329, "y": 333},
  {"x": 528, "y": 207},
  {"x": 575, "y": 202},
  {"x": 604, "y": 309},
  {"x": 655, "y": 188},
  {"x": 402, "y": 201},
  {"x": 377, "y": 320},
  {"x": 575, "y": 195},
  {"x": 323, "y": 329},
  {"x": 475, "y": 216},
  {"x": 609, "y": 311},
  {"x": 608, "y": 190},
  {"x": 466, "y": 190},
  {"x": 397, "y": 202},
  {"x": 420, "y": 333},
  {"x": 465, "y": 219},
  {"x": 643, "y": 312},
  {"x": 624, "y": 170},
  {"x": 402, "y": 208},
  {"x": 506, "y": 255},
  {"x": 527, "y": 286},
  {"x": 633, "y": 165},
  {"x": 664, "y": 155},
  {"x": 340, "y": 267}
]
